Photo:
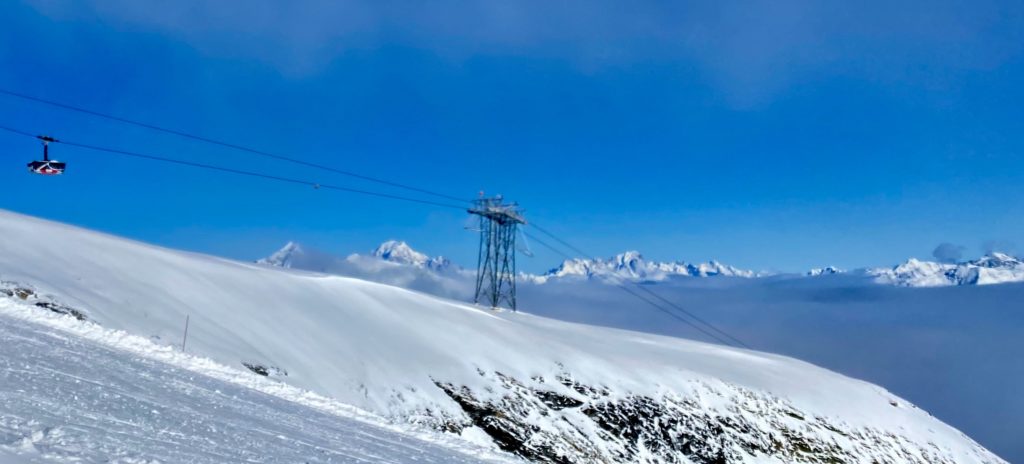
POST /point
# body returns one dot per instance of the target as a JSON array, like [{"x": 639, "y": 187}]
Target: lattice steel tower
[{"x": 496, "y": 263}]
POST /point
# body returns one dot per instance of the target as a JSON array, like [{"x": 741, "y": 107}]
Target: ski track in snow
[{"x": 73, "y": 391}]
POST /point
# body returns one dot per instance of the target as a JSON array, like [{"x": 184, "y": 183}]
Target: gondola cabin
[{"x": 47, "y": 167}]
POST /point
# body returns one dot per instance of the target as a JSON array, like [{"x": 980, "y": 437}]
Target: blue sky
[{"x": 769, "y": 135}]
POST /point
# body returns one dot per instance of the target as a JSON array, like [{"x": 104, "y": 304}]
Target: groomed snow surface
[
  {"x": 76, "y": 392},
  {"x": 385, "y": 349}
]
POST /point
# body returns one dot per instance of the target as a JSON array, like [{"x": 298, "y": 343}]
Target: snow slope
[
  {"x": 541, "y": 388},
  {"x": 78, "y": 392},
  {"x": 958, "y": 335}
]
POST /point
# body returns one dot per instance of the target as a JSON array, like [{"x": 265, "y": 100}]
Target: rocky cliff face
[{"x": 561, "y": 420}]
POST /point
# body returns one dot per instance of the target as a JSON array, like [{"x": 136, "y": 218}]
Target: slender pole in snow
[{"x": 186, "y": 335}]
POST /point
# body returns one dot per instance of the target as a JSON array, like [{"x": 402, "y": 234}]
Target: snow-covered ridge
[
  {"x": 392, "y": 263},
  {"x": 283, "y": 257},
  {"x": 631, "y": 265},
  {"x": 820, "y": 271},
  {"x": 543, "y": 389},
  {"x": 994, "y": 268},
  {"x": 293, "y": 255}
]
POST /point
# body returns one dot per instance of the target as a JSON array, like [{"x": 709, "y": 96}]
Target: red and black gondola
[{"x": 46, "y": 166}]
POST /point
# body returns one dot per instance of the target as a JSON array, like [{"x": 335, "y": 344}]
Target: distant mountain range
[
  {"x": 393, "y": 262},
  {"x": 293, "y": 255},
  {"x": 631, "y": 265},
  {"x": 395, "y": 255},
  {"x": 994, "y": 268}
]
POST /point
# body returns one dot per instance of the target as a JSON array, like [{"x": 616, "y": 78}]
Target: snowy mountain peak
[
  {"x": 993, "y": 268},
  {"x": 397, "y": 251},
  {"x": 630, "y": 261},
  {"x": 997, "y": 260},
  {"x": 914, "y": 265},
  {"x": 715, "y": 268},
  {"x": 283, "y": 257},
  {"x": 819, "y": 271},
  {"x": 631, "y": 255}
]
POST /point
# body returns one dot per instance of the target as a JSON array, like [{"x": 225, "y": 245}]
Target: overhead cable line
[
  {"x": 733, "y": 340},
  {"x": 335, "y": 187},
  {"x": 224, "y": 144},
  {"x": 239, "y": 171}
]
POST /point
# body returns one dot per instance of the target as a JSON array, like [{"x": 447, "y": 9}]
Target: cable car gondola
[{"x": 47, "y": 167}]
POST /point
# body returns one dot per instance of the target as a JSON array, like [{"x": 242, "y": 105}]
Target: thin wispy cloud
[{"x": 748, "y": 50}]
